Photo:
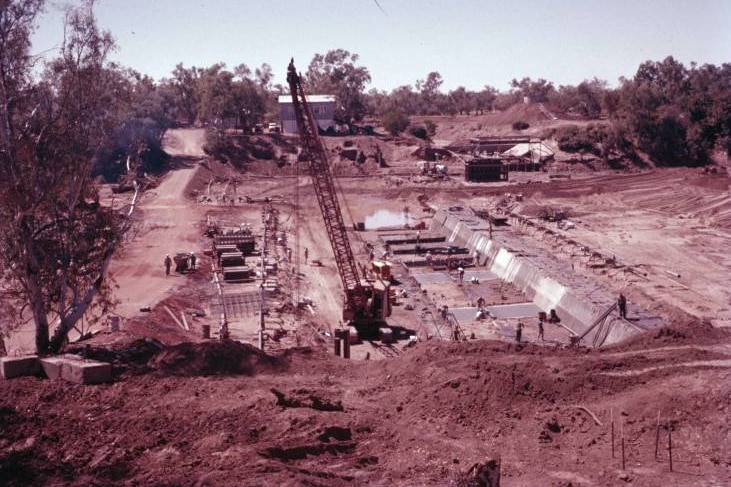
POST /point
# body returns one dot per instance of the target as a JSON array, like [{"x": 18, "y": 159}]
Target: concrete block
[
  {"x": 76, "y": 369},
  {"x": 86, "y": 372},
  {"x": 11, "y": 367},
  {"x": 52, "y": 367},
  {"x": 353, "y": 335},
  {"x": 385, "y": 335}
]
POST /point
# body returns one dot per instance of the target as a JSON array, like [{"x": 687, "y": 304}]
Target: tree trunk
[
  {"x": 34, "y": 287},
  {"x": 40, "y": 317}
]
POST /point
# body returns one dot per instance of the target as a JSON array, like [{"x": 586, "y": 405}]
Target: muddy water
[{"x": 388, "y": 219}]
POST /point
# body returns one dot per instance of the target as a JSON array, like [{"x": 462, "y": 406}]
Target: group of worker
[
  {"x": 553, "y": 318},
  {"x": 168, "y": 263}
]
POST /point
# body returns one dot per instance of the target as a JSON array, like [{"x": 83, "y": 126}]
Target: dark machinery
[{"x": 366, "y": 302}]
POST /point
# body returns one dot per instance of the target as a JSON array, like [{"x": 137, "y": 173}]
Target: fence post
[
  {"x": 621, "y": 430},
  {"x": 670, "y": 446},
  {"x": 657, "y": 434},
  {"x": 611, "y": 416}
]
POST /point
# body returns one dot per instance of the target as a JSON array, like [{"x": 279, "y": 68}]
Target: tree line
[{"x": 677, "y": 115}]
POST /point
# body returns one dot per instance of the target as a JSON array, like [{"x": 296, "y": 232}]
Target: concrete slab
[
  {"x": 12, "y": 367},
  {"x": 464, "y": 315},
  {"x": 517, "y": 310},
  {"x": 74, "y": 368},
  {"x": 503, "y": 311},
  {"x": 439, "y": 277}
]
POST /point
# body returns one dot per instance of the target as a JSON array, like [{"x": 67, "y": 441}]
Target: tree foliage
[
  {"x": 142, "y": 116},
  {"x": 589, "y": 138},
  {"x": 336, "y": 73},
  {"x": 536, "y": 91},
  {"x": 674, "y": 114},
  {"x": 395, "y": 122},
  {"x": 55, "y": 240},
  {"x": 585, "y": 100}
]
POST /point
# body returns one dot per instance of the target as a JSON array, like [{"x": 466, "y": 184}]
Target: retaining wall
[{"x": 542, "y": 289}]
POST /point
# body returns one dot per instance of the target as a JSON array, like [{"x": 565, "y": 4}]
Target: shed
[
  {"x": 322, "y": 107},
  {"x": 484, "y": 169}
]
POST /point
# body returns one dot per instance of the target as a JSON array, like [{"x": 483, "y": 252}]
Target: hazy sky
[{"x": 470, "y": 42}]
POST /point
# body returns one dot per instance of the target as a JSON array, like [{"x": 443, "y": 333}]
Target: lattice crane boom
[{"x": 314, "y": 151}]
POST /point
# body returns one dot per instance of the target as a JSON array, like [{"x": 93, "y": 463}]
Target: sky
[{"x": 470, "y": 43}]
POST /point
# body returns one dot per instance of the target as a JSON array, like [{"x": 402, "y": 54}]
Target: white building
[
  {"x": 535, "y": 150},
  {"x": 322, "y": 106}
]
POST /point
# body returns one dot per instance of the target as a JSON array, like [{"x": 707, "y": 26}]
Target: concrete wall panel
[{"x": 576, "y": 312}]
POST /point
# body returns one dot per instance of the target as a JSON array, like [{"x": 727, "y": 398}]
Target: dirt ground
[{"x": 186, "y": 411}]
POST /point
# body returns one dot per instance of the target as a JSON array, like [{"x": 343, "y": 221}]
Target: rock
[
  {"x": 544, "y": 437},
  {"x": 624, "y": 476},
  {"x": 553, "y": 426}
]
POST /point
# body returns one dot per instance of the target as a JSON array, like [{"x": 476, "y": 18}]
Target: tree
[
  {"x": 184, "y": 92},
  {"x": 430, "y": 101},
  {"x": 584, "y": 100},
  {"x": 462, "y": 100},
  {"x": 537, "y": 91},
  {"x": 141, "y": 117},
  {"x": 404, "y": 100},
  {"x": 652, "y": 106},
  {"x": 485, "y": 99},
  {"x": 215, "y": 93},
  {"x": 377, "y": 102},
  {"x": 431, "y": 128},
  {"x": 395, "y": 122},
  {"x": 56, "y": 241},
  {"x": 336, "y": 73},
  {"x": 264, "y": 77}
]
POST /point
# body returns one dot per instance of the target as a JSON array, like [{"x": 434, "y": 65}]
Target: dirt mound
[
  {"x": 459, "y": 127},
  {"x": 421, "y": 418},
  {"x": 681, "y": 332},
  {"x": 212, "y": 358}
]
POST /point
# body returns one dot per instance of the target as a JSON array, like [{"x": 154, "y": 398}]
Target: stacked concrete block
[
  {"x": 52, "y": 366},
  {"x": 67, "y": 367},
  {"x": 12, "y": 367},
  {"x": 77, "y": 369}
]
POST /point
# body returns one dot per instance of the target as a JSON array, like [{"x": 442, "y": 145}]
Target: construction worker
[
  {"x": 461, "y": 274},
  {"x": 553, "y": 317},
  {"x": 519, "y": 332},
  {"x": 168, "y": 264},
  {"x": 428, "y": 258},
  {"x": 540, "y": 329},
  {"x": 480, "y": 302},
  {"x": 622, "y": 304},
  {"x": 192, "y": 261},
  {"x": 223, "y": 333}
]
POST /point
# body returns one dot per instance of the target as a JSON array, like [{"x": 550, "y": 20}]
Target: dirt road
[{"x": 168, "y": 224}]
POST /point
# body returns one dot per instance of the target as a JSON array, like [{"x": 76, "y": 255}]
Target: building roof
[
  {"x": 310, "y": 98},
  {"x": 538, "y": 149}
]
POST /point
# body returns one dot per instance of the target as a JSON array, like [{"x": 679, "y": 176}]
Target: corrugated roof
[
  {"x": 537, "y": 148},
  {"x": 310, "y": 98}
]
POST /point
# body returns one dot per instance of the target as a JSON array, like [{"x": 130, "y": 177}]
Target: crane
[{"x": 366, "y": 301}]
